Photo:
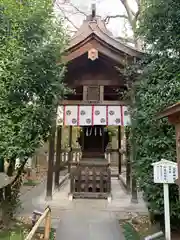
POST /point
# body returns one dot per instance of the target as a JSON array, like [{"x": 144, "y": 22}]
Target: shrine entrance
[{"x": 93, "y": 141}]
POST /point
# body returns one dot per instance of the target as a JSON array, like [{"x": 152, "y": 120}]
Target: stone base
[
  {"x": 91, "y": 195},
  {"x": 109, "y": 199},
  {"x": 48, "y": 198},
  {"x": 134, "y": 200},
  {"x": 70, "y": 197}
]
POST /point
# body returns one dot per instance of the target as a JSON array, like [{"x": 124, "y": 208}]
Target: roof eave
[
  {"x": 172, "y": 110},
  {"x": 127, "y": 50}
]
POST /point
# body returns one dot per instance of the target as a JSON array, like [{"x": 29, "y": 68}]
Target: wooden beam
[
  {"x": 174, "y": 109},
  {"x": 113, "y": 103},
  {"x": 77, "y": 52}
]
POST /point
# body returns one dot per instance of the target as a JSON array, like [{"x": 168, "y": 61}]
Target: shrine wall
[{"x": 98, "y": 72}]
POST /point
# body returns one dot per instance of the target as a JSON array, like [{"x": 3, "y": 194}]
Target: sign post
[
  {"x": 165, "y": 172},
  {"x": 167, "y": 211}
]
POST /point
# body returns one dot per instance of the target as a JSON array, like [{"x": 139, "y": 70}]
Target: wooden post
[
  {"x": 101, "y": 93},
  {"x": 119, "y": 152},
  {"x": 58, "y": 156},
  {"x": 50, "y": 164},
  {"x": 47, "y": 228},
  {"x": 128, "y": 166},
  {"x": 134, "y": 197},
  {"x": 70, "y": 146},
  {"x": 177, "y": 127}
]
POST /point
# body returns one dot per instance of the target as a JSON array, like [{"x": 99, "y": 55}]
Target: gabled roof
[{"x": 94, "y": 28}]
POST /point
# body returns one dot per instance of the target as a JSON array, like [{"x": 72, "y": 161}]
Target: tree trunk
[
  {"x": 1, "y": 170},
  {"x": 8, "y": 204}
]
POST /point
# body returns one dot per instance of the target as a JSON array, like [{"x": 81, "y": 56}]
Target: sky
[{"x": 103, "y": 8}]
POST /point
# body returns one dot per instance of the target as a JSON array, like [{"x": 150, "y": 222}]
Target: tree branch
[
  {"x": 68, "y": 3},
  {"x": 139, "y": 10},
  {"x": 126, "y": 40},
  {"x": 107, "y": 18},
  {"x": 65, "y": 17},
  {"x": 129, "y": 11},
  {"x": 77, "y": 9},
  {"x": 132, "y": 16},
  {"x": 19, "y": 172},
  {"x": 138, "y": 2}
]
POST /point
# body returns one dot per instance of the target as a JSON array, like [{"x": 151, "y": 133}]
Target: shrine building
[{"x": 94, "y": 63}]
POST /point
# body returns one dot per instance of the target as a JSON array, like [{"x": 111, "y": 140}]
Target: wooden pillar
[
  {"x": 101, "y": 97},
  {"x": 128, "y": 166},
  {"x": 134, "y": 197},
  {"x": 177, "y": 127},
  {"x": 85, "y": 90},
  {"x": 119, "y": 152},
  {"x": 50, "y": 164},
  {"x": 58, "y": 156},
  {"x": 70, "y": 146}
]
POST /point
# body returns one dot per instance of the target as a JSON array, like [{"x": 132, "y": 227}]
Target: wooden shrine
[
  {"x": 93, "y": 58},
  {"x": 173, "y": 115}
]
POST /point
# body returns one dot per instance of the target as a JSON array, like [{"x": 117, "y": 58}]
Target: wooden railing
[
  {"x": 90, "y": 179},
  {"x": 45, "y": 216}
]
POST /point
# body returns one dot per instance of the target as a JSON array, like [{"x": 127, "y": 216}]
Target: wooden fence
[
  {"x": 122, "y": 164},
  {"x": 45, "y": 216}
]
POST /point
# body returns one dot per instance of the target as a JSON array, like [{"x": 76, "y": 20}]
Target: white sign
[{"x": 165, "y": 171}]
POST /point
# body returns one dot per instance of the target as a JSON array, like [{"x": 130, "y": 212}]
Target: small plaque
[
  {"x": 92, "y": 54},
  {"x": 165, "y": 171}
]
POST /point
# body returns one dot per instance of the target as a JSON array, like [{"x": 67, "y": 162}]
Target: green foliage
[
  {"x": 112, "y": 132},
  {"x": 157, "y": 88},
  {"x": 159, "y": 25},
  {"x": 31, "y": 74},
  {"x": 130, "y": 233}
]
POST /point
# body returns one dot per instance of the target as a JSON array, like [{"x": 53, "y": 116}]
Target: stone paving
[
  {"x": 84, "y": 218},
  {"x": 88, "y": 225}
]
